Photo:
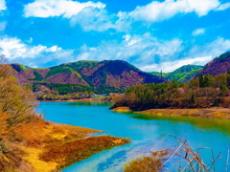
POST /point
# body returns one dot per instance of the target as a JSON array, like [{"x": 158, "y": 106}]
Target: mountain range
[
  {"x": 109, "y": 75},
  {"x": 100, "y": 77}
]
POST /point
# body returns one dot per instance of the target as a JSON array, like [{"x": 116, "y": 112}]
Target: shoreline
[
  {"x": 46, "y": 145},
  {"x": 206, "y": 113},
  {"x": 67, "y": 145},
  {"x": 85, "y": 100}
]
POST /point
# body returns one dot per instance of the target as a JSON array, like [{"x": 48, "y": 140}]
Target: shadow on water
[{"x": 88, "y": 103}]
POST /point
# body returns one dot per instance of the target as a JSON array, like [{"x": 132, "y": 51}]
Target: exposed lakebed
[{"x": 145, "y": 134}]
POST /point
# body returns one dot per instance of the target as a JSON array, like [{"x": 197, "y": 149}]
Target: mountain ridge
[
  {"x": 218, "y": 65},
  {"x": 103, "y": 77},
  {"x": 108, "y": 76},
  {"x": 182, "y": 74}
]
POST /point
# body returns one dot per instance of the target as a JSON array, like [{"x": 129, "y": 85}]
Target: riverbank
[
  {"x": 146, "y": 134},
  {"x": 37, "y": 145},
  {"x": 215, "y": 112},
  {"x": 82, "y": 100}
]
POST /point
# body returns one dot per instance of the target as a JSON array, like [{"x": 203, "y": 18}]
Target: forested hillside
[
  {"x": 82, "y": 79},
  {"x": 201, "y": 92},
  {"x": 182, "y": 74}
]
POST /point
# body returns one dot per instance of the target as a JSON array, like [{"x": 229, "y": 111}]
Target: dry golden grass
[
  {"x": 3, "y": 118},
  {"x": 11, "y": 159},
  {"x": 32, "y": 156},
  {"x": 219, "y": 113},
  {"x": 215, "y": 112},
  {"x": 37, "y": 133},
  {"x": 152, "y": 163},
  {"x": 122, "y": 109},
  {"x": 67, "y": 153},
  {"x": 145, "y": 164},
  {"x": 47, "y": 147},
  {"x": 26, "y": 139}
]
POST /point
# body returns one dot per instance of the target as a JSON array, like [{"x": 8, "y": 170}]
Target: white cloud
[
  {"x": 95, "y": 20},
  {"x": 198, "y": 32},
  {"x": 93, "y": 16},
  {"x": 157, "y": 11},
  {"x": 213, "y": 49},
  {"x": 100, "y": 20},
  {"x": 14, "y": 50},
  {"x": 2, "y": 5},
  {"x": 151, "y": 54},
  {"x": 55, "y": 8},
  {"x": 145, "y": 51},
  {"x": 223, "y": 7},
  {"x": 198, "y": 55},
  {"x": 170, "y": 66},
  {"x": 138, "y": 49}
]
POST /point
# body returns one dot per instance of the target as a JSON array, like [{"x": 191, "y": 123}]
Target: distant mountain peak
[
  {"x": 188, "y": 68},
  {"x": 217, "y": 66},
  {"x": 182, "y": 74},
  {"x": 223, "y": 56},
  {"x": 104, "y": 77}
]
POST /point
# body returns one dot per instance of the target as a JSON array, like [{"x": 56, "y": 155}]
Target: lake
[{"x": 146, "y": 135}]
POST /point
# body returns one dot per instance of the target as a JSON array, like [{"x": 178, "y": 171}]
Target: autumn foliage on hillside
[
  {"x": 17, "y": 101},
  {"x": 30, "y": 144},
  {"x": 201, "y": 92},
  {"x": 16, "y": 106}
]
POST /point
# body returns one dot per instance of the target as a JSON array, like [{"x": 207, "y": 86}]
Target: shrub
[{"x": 15, "y": 100}]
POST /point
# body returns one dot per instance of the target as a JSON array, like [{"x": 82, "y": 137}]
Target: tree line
[{"x": 203, "y": 91}]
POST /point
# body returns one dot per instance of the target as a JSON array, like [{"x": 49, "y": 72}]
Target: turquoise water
[{"x": 145, "y": 135}]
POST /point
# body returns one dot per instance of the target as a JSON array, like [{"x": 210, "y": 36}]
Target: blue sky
[{"x": 151, "y": 34}]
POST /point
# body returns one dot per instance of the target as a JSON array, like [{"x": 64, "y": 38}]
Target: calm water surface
[{"x": 145, "y": 135}]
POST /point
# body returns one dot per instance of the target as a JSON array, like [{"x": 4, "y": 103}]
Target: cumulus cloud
[
  {"x": 169, "y": 66},
  {"x": 157, "y": 10},
  {"x": 147, "y": 53},
  {"x": 198, "y": 32},
  {"x": 95, "y": 20},
  {"x": 2, "y": 5},
  {"x": 93, "y": 16},
  {"x": 197, "y": 55},
  {"x": 150, "y": 54},
  {"x": 138, "y": 49},
  {"x": 55, "y": 8},
  {"x": 16, "y": 51},
  {"x": 144, "y": 51},
  {"x": 213, "y": 49},
  {"x": 223, "y": 7}
]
